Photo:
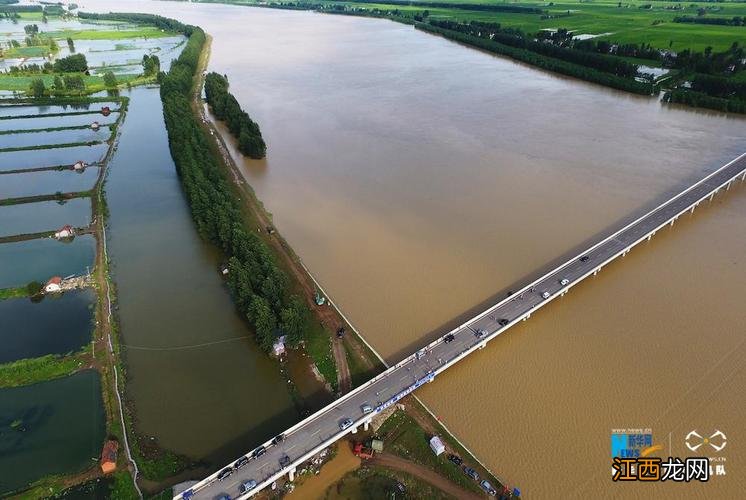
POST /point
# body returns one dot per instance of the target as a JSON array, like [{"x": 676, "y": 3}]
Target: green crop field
[
  {"x": 119, "y": 34},
  {"x": 34, "y": 51},
  {"x": 22, "y": 83}
]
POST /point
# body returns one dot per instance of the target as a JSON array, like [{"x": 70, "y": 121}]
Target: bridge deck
[{"x": 318, "y": 431}]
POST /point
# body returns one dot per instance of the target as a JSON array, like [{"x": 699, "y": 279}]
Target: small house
[
  {"x": 437, "y": 445},
  {"x": 95, "y": 125},
  {"x": 53, "y": 285},
  {"x": 79, "y": 166},
  {"x": 278, "y": 349},
  {"x": 66, "y": 231},
  {"x": 109, "y": 456},
  {"x": 105, "y": 110}
]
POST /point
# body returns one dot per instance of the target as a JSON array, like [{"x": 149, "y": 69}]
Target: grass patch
[
  {"x": 13, "y": 293},
  {"x": 374, "y": 483},
  {"x": 33, "y": 51},
  {"x": 119, "y": 34},
  {"x": 31, "y": 371},
  {"x": 404, "y": 437},
  {"x": 93, "y": 83},
  {"x": 319, "y": 347}
]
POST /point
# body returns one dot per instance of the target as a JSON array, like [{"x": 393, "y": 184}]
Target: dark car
[
  {"x": 259, "y": 452},
  {"x": 471, "y": 473},
  {"x": 448, "y": 338},
  {"x": 584, "y": 258},
  {"x": 225, "y": 473},
  {"x": 284, "y": 461},
  {"x": 503, "y": 321},
  {"x": 278, "y": 439},
  {"x": 341, "y": 332},
  {"x": 455, "y": 459},
  {"x": 241, "y": 462}
]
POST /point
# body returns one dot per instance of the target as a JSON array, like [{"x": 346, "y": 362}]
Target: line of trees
[
  {"x": 259, "y": 287},
  {"x": 518, "y": 9},
  {"x": 226, "y": 108},
  {"x": 701, "y": 100},
  {"x": 516, "y": 38},
  {"x": 543, "y": 61},
  {"x": 721, "y": 21}
]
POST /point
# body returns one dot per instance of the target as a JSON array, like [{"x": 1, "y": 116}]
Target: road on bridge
[{"x": 324, "y": 427}]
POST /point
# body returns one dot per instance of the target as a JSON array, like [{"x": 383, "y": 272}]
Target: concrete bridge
[{"x": 308, "y": 437}]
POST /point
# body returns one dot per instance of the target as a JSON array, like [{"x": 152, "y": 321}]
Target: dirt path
[
  {"x": 325, "y": 314},
  {"x": 397, "y": 463}
]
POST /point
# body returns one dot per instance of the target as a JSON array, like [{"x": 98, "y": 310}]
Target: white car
[
  {"x": 345, "y": 424},
  {"x": 366, "y": 408},
  {"x": 546, "y": 295},
  {"x": 564, "y": 281}
]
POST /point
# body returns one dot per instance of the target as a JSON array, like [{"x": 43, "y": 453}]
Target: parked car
[
  {"x": 246, "y": 486},
  {"x": 503, "y": 321},
  {"x": 545, "y": 295},
  {"x": 584, "y": 258},
  {"x": 366, "y": 408},
  {"x": 455, "y": 459},
  {"x": 225, "y": 473},
  {"x": 284, "y": 461},
  {"x": 471, "y": 473},
  {"x": 223, "y": 496},
  {"x": 564, "y": 281},
  {"x": 278, "y": 439},
  {"x": 486, "y": 486},
  {"x": 259, "y": 452},
  {"x": 448, "y": 338},
  {"x": 345, "y": 424},
  {"x": 241, "y": 462}
]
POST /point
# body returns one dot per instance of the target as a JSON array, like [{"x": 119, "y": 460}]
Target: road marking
[
  {"x": 317, "y": 431},
  {"x": 286, "y": 451}
]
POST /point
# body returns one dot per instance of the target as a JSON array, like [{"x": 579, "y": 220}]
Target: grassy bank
[
  {"x": 31, "y": 371},
  {"x": 404, "y": 437}
]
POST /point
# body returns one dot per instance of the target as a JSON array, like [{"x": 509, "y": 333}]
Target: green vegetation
[
  {"x": 319, "y": 347},
  {"x": 375, "y": 483},
  {"x": 226, "y": 108},
  {"x": 13, "y": 293},
  {"x": 50, "y": 146},
  {"x": 120, "y": 34},
  {"x": 75, "y": 63},
  {"x": 404, "y": 437},
  {"x": 31, "y": 371},
  {"x": 92, "y": 83}
]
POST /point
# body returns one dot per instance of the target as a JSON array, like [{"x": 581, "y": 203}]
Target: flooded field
[
  {"x": 46, "y": 182},
  {"x": 40, "y": 259},
  {"x": 185, "y": 346},
  {"x": 56, "y": 121},
  {"x": 70, "y": 136},
  {"x": 33, "y": 329},
  {"x": 42, "y": 216},
  {"x": 16, "y": 160},
  {"x": 418, "y": 179},
  {"x": 54, "y": 427}
]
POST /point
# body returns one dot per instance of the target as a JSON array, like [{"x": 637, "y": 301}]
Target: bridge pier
[
  {"x": 291, "y": 474},
  {"x": 354, "y": 430},
  {"x": 596, "y": 271},
  {"x": 366, "y": 424},
  {"x": 650, "y": 236},
  {"x": 526, "y": 316},
  {"x": 743, "y": 177},
  {"x": 727, "y": 186}
]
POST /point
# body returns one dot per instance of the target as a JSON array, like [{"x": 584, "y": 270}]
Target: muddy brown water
[{"x": 418, "y": 178}]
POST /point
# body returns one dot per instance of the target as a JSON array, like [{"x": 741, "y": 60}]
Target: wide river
[{"x": 418, "y": 178}]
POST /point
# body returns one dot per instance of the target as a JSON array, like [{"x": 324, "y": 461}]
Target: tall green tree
[{"x": 37, "y": 87}]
